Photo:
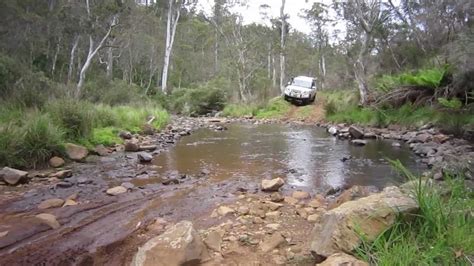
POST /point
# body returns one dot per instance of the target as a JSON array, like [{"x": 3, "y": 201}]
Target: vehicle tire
[
  {"x": 286, "y": 98},
  {"x": 313, "y": 99}
]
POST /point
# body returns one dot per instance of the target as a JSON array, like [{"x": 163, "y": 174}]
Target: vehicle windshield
[{"x": 302, "y": 83}]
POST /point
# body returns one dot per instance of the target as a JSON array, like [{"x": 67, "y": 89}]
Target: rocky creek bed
[{"x": 96, "y": 212}]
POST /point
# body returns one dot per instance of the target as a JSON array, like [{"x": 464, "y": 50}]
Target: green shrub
[
  {"x": 107, "y": 136},
  {"x": 441, "y": 233},
  {"x": 10, "y": 72},
  {"x": 276, "y": 108},
  {"x": 430, "y": 78},
  {"x": 10, "y": 145},
  {"x": 76, "y": 117},
  {"x": 239, "y": 110},
  {"x": 197, "y": 101},
  {"x": 115, "y": 92},
  {"x": 41, "y": 139},
  {"x": 454, "y": 103},
  {"x": 133, "y": 118}
]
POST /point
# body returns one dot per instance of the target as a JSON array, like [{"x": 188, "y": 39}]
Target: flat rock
[
  {"x": 300, "y": 195},
  {"x": 338, "y": 230},
  {"x": 339, "y": 259},
  {"x": 243, "y": 210},
  {"x": 69, "y": 202},
  {"x": 359, "y": 142},
  {"x": 51, "y": 203},
  {"x": 313, "y": 217},
  {"x": 272, "y": 184},
  {"x": 179, "y": 245},
  {"x": 224, "y": 210},
  {"x": 12, "y": 176},
  {"x": 61, "y": 174},
  {"x": 49, "y": 220},
  {"x": 213, "y": 240},
  {"x": 116, "y": 190},
  {"x": 76, "y": 152},
  {"x": 272, "y": 242},
  {"x": 144, "y": 157},
  {"x": 291, "y": 200},
  {"x": 276, "y": 197},
  {"x": 56, "y": 162}
]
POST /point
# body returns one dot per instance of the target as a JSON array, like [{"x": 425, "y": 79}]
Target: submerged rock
[
  {"x": 49, "y": 220},
  {"x": 339, "y": 229},
  {"x": 51, "y": 203},
  {"x": 179, "y": 245},
  {"x": 359, "y": 142},
  {"x": 144, "y": 157},
  {"x": 116, "y": 190}
]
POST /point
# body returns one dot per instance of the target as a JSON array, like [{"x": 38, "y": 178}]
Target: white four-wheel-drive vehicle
[{"x": 301, "y": 89}]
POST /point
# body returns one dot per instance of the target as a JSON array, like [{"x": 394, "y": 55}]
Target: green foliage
[
  {"x": 197, "y": 101},
  {"x": 454, "y": 103},
  {"x": 41, "y": 139},
  {"x": 10, "y": 71},
  {"x": 440, "y": 234},
  {"x": 107, "y": 136},
  {"x": 115, "y": 92},
  {"x": 276, "y": 108},
  {"x": 76, "y": 117},
  {"x": 430, "y": 78},
  {"x": 239, "y": 110},
  {"x": 10, "y": 145}
]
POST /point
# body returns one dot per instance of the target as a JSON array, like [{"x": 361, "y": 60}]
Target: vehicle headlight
[{"x": 305, "y": 93}]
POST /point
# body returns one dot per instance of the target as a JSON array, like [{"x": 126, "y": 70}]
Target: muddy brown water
[
  {"x": 306, "y": 156},
  {"x": 212, "y": 168}
]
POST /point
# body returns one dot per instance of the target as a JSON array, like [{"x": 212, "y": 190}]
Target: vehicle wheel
[
  {"x": 286, "y": 98},
  {"x": 313, "y": 99}
]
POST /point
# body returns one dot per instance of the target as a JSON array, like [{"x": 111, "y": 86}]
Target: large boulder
[
  {"x": 12, "y": 176},
  {"x": 356, "y": 132},
  {"x": 56, "y": 162},
  {"x": 272, "y": 184},
  {"x": 339, "y": 229},
  {"x": 76, "y": 152},
  {"x": 179, "y": 245}
]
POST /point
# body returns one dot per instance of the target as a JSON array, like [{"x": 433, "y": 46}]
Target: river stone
[
  {"x": 353, "y": 193},
  {"x": 12, "y": 176},
  {"x": 339, "y": 229},
  {"x": 332, "y": 130},
  {"x": 125, "y": 135},
  {"x": 56, "y": 162},
  {"x": 51, "y": 203},
  {"x": 423, "y": 137},
  {"x": 179, "y": 245},
  {"x": 116, "y": 190},
  {"x": 131, "y": 146},
  {"x": 272, "y": 242},
  {"x": 144, "y": 157},
  {"x": 213, "y": 240},
  {"x": 76, "y": 152},
  {"x": 300, "y": 195},
  {"x": 339, "y": 259},
  {"x": 359, "y": 142},
  {"x": 273, "y": 184},
  {"x": 61, "y": 174},
  {"x": 224, "y": 210},
  {"x": 276, "y": 197},
  {"x": 49, "y": 220},
  {"x": 396, "y": 144},
  {"x": 69, "y": 202},
  {"x": 101, "y": 150},
  {"x": 356, "y": 132}
]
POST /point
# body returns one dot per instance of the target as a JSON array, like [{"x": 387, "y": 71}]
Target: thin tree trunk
[
  {"x": 269, "y": 61},
  {"x": 91, "y": 54},
  {"x": 55, "y": 57},
  {"x": 359, "y": 70},
  {"x": 171, "y": 24},
  {"x": 71, "y": 58},
  {"x": 282, "y": 46},
  {"x": 274, "y": 72},
  {"x": 110, "y": 63}
]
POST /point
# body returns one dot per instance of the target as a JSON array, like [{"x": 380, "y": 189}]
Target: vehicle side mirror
[
  {"x": 289, "y": 83},
  {"x": 313, "y": 87}
]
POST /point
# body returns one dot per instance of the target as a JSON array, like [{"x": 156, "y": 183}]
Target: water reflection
[{"x": 307, "y": 156}]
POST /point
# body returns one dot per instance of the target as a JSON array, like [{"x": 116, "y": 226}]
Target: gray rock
[
  {"x": 76, "y": 152},
  {"x": 13, "y": 176},
  {"x": 273, "y": 184},
  {"x": 356, "y": 132},
  {"x": 333, "y": 130},
  {"x": 125, "y": 135},
  {"x": 339, "y": 229},
  {"x": 131, "y": 146},
  {"x": 396, "y": 144},
  {"x": 144, "y": 157},
  {"x": 179, "y": 245}
]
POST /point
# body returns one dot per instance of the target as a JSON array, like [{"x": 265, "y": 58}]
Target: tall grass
[
  {"x": 442, "y": 233},
  {"x": 276, "y": 108}
]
